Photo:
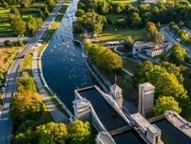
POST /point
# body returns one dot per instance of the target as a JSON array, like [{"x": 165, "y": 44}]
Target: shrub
[{"x": 8, "y": 43}]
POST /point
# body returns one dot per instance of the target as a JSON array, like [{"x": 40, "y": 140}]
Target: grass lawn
[
  {"x": 27, "y": 62},
  {"x": 110, "y": 34},
  {"x": 129, "y": 65},
  {"x": 4, "y": 11},
  {"x": 6, "y": 56}
]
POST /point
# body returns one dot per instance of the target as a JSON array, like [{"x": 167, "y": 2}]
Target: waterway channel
[{"x": 64, "y": 69}]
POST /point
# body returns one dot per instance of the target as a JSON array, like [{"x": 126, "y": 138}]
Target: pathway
[{"x": 57, "y": 115}]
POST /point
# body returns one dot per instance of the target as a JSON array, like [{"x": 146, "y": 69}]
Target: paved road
[
  {"x": 173, "y": 41},
  {"x": 5, "y": 121}
]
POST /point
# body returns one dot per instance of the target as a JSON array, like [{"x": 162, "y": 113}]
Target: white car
[{"x": 2, "y": 89}]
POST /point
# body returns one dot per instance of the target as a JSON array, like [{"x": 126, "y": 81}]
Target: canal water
[
  {"x": 110, "y": 118},
  {"x": 63, "y": 64},
  {"x": 170, "y": 135},
  {"x": 64, "y": 70}
]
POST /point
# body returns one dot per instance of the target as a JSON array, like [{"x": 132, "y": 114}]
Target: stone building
[{"x": 146, "y": 99}]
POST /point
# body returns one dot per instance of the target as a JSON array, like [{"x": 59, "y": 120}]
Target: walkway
[
  {"x": 57, "y": 115},
  {"x": 180, "y": 123}
]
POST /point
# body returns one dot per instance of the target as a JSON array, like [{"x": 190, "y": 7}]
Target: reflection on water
[
  {"x": 129, "y": 137},
  {"x": 108, "y": 116},
  {"x": 110, "y": 119},
  {"x": 170, "y": 135}
]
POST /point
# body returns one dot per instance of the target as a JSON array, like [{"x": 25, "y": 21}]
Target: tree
[
  {"x": 105, "y": 59},
  {"x": 166, "y": 103},
  {"x": 25, "y": 133},
  {"x": 26, "y": 106},
  {"x": 128, "y": 41},
  {"x": 31, "y": 24},
  {"x": 166, "y": 83},
  {"x": 136, "y": 21},
  {"x": 109, "y": 61},
  {"x": 173, "y": 69},
  {"x": 26, "y": 84},
  {"x": 51, "y": 4},
  {"x": 8, "y": 43},
  {"x": 80, "y": 132},
  {"x": 18, "y": 25},
  {"x": 178, "y": 54},
  {"x": 52, "y": 133},
  {"x": 15, "y": 11}
]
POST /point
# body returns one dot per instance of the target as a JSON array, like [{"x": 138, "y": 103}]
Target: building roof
[
  {"x": 115, "y": 88},
  {"x": 143, "y": 123},
  {"x": 147, "y": 86}
]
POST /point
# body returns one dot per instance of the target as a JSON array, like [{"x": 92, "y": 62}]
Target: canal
[
  {"x": 110, "y": 118},
  {"x": 64, "y": 70},
  {"x": 63, "y": 65},
  {"x": 170, "y": 135}
]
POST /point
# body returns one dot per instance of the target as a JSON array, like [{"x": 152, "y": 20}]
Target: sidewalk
[{"x": 57, "y": 115}]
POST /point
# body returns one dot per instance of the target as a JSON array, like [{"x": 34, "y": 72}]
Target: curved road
[{"x": 5, "y": 121}]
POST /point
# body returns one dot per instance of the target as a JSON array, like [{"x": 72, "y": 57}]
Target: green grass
[
  {"x": 46, "y": 118},
  {"x": 27, "y": 62},
  {"x": 4, "y": 11},
  {"x": 129, "y": 65},
  {"x": 110, "y": 34}
]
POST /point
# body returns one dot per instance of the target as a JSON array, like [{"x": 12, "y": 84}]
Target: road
[
  {"x": 5, "y": 121},
  {"x": 173, "y": 41}
]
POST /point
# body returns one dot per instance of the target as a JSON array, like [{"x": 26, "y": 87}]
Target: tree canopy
[
  {"x": 104, "y": 58},
  {"x": 26, "y": 106},
  {"x": 165, "y": 82},
  {"x": 166, "y": 103},
  {"x": 52, "y": 133},
  {"x": 80, "y": 132}
]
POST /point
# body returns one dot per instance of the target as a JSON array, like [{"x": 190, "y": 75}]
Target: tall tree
[
  {"x": 178, "y": 54},
  {"x": 26, "y": 106},
  {"x": 166, "y": 103},
  {"x": 52, "y": 133},
  {"x": 80, "y": 132}
]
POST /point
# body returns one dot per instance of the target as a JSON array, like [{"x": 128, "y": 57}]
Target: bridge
[{"x": 121, "y": 130}]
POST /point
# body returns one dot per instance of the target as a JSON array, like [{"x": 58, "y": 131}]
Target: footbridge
[{"x": 121, "y": 130}]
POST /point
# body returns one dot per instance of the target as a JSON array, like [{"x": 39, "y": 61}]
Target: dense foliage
[
  {"x": 167, "y": 82},
  {"x": 77, "y": 132},
  {"x": 133, "y": 17},
  {"x": 27, "y": 103},
  {"x": 104, "y": 58},
  {"x": 166, "y": 103}
]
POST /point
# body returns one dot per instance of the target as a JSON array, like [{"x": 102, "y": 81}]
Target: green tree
[
  {"x": 52, "y": 133},
  {"x": 26, "y": 106},
  {"x": 26, "y": 84},
  {"x": 173, "y": 69},
  {"x": 166, "y": 103},
  {"x": 178, "y": 54},
  {"x": 31, "y": 24},
  {"x": 25, "y": 133},
  {"x": 80, "y": 132},
  {"x": 18, "y": 25},
  {"x": 15, "y": 11},
  {"x": 136, "y": 20},
  {"x": 8, "y": 43},
  {"x": 128, "y": 41},
  {"x": 109, "y": 61},
  {"x": 51, "y": 3}
]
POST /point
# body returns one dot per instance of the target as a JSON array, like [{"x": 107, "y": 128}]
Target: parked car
[{"x": 2, "y": 89}]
